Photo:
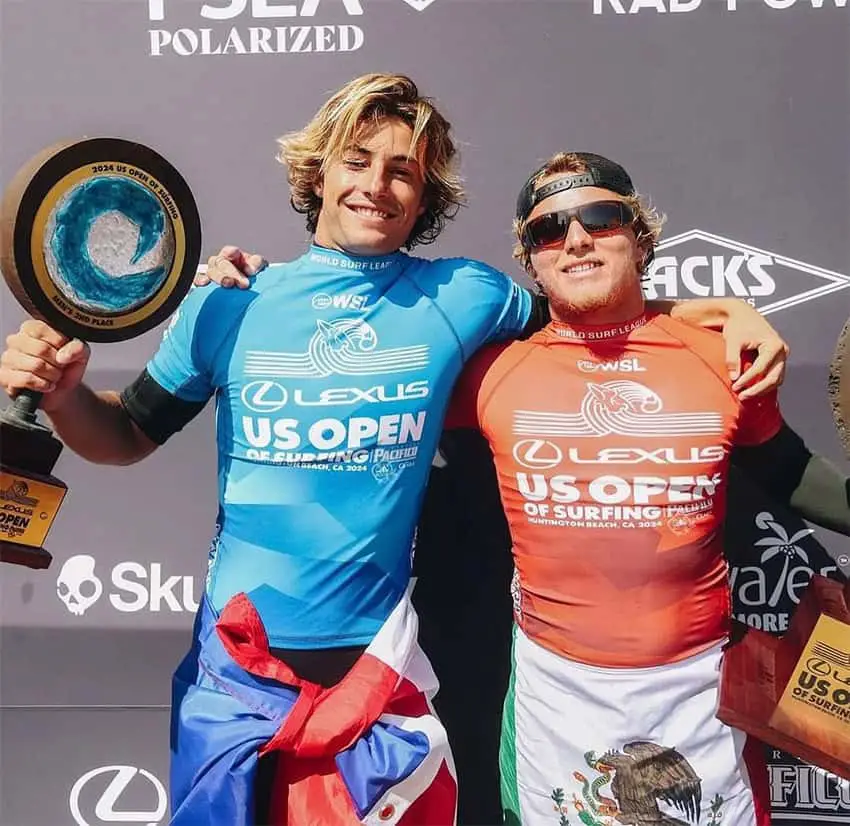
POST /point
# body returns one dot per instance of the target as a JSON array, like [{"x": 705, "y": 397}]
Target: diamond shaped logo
[
  {"x": 419, "y": 5},
  {"x": 697, "y": 264}
]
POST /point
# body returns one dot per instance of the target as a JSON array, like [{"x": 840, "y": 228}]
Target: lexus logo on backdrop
[{"x": 118, "y": 794}]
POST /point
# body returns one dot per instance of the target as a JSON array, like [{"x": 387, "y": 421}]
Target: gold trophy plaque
[{"x": 793, "y": 692}]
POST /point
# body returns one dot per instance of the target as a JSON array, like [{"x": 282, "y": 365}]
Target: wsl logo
[
  {"x": 625, "y": 408},
  {"x": 111, "y": 244},
  {"x": 627, "y": 365},
  {"x": 346, "y": 348},
  {"x": 346, "y": 301},
  {"x": 699, "y": 264}
]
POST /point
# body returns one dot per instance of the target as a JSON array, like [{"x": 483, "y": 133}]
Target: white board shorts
[{"x": 589, "y": 746}]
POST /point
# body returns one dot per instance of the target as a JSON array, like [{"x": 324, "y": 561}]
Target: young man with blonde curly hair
[{"x": 331, "y": 376}]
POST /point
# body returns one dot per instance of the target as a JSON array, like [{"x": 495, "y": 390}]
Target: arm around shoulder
[{"x": 745, "y": 330}]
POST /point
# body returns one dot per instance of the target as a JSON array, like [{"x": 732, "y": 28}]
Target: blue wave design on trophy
[{"x": 111, "y": 243}]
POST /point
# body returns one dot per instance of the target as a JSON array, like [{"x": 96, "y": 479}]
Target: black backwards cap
[{"x": 601, "y": 172}]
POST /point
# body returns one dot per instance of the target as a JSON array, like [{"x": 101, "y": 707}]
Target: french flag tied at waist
[{"x": 369, "y": 750}]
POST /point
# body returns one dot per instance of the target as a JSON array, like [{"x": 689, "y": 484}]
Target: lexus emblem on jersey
[
  {"x": 537, "y": 454},
  {"x": 264, "y": 396},
  {"x": 93, "y": 803}
]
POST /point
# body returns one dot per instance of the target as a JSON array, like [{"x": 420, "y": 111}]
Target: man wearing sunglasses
[{"x": 612, "y": 431}]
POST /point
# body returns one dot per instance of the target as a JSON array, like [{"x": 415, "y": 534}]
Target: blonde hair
[
  {"x": 364, "y": 103},
  {"x": 647, "y": 225}
]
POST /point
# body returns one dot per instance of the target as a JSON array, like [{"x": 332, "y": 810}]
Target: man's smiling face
[
  {"x": 372, "y": 195},
  {"x": 588, "y": 278}
]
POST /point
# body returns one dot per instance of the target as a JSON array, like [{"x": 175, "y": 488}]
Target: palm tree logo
[{"x": 780, "y": 543}]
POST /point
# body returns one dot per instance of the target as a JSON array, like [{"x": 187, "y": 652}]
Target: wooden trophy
[
  {"x": 793, "y": 692},
  {"x": 100, "y": 238}
]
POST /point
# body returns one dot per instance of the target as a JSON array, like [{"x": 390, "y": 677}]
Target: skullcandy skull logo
[{"x": 77, "y": 585}]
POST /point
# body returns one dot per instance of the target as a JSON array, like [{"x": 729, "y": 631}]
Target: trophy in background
[
  {"x": 793, "y": 692},
  {"x": 100, "y": 238}
]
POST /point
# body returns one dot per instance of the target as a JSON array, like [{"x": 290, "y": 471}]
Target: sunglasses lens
[
  {"x": 604, "y": 215},
  {"x": 601, "y": 216},
  {"x": 547, "y": 229}
]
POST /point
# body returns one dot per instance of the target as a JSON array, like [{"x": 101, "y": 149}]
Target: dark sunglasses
[{"x": 598, "y": 217}]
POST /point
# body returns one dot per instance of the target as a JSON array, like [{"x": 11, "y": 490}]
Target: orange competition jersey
[{"x": 612, "y": 452}]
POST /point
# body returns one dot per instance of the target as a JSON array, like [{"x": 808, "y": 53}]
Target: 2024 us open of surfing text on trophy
[{"x": 100, "y": 238}]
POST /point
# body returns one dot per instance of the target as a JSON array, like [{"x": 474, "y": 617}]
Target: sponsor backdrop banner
[{"x": 733, "y": 115}]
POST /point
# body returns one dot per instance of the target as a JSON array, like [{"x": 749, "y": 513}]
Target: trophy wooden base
[
  {"x": 30, "y": 496},
  {"x": 793, "y": 692},
  {"x": 26, "y": 555}
]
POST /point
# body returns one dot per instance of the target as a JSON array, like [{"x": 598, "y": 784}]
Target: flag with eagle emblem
[{"x": 599, "y": 746}]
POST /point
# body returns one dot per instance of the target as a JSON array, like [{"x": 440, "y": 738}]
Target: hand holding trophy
[{"x": 100, "y": 239}]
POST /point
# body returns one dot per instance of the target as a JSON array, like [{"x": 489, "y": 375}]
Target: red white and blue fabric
[{"x": 369, "y": 750}]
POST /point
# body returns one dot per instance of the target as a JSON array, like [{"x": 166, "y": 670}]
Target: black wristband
[
  {"x": 786, "y": 450},
  {"x": 157, "y": 413}
]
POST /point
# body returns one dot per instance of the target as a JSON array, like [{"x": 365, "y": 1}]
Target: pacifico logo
[
  {"x": 263, "y": 26},
  {"x": 94, "y": 801},
  {"x": 132, "y": 587},
  {"x": 697, "y": 264},
  {"x": 800, "y": 792}
]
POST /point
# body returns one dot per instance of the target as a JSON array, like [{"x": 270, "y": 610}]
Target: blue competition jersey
[{"x": 331, "y": 377}]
